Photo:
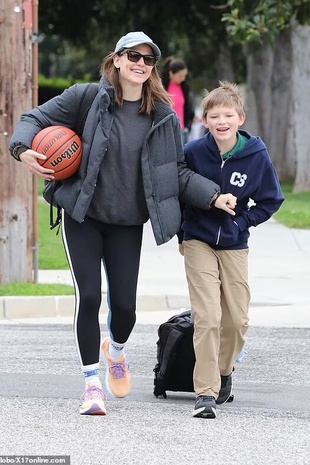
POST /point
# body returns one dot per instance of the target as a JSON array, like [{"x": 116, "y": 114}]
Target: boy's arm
[
  {"x": 198, "y": 191},
  {"x": 268, "y": 198}
]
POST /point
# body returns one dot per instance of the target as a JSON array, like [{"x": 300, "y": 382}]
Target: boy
[{"x": 215, "y": 244}]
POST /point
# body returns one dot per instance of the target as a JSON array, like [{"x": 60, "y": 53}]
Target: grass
[
  {"x": 31, "y": 289},
  {"x": 294, "y": 213},
  {"x": 51, "y": 252},
  {"x": 295, "y": 210}
]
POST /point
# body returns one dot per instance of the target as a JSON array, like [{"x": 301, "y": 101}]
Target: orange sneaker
[{"x": 117, "y": 380}]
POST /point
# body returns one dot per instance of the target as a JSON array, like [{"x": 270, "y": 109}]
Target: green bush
[{"x": 50, "y": 87}]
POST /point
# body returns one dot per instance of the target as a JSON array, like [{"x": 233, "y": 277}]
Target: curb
[{"x": 61, "y": 306}]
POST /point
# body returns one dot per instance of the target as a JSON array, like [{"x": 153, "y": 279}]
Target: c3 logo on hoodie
[{"x": 238, "y": 179}]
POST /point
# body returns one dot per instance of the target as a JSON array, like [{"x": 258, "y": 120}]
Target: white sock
[
  {"x": 91, "y": 375},
  {"x": 116, "y": 350}
]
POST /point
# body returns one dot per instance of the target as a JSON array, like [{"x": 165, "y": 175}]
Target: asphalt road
[{"x": 40, "y": 386}]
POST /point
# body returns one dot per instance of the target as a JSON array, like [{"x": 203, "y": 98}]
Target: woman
[
  {"x": 132, "y": 170},
  {"x": 174, "y": 75}
]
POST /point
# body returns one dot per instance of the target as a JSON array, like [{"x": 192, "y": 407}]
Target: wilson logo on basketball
[{"x": 67, "y": 154}]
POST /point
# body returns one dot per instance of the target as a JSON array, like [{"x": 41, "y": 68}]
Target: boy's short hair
[{"x": 226, "y": 95}]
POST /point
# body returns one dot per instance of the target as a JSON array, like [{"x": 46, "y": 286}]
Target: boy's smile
[{"x": 223, "y": 123}]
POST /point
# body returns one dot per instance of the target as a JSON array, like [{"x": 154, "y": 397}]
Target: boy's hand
[{"x": 226, "y": 202}]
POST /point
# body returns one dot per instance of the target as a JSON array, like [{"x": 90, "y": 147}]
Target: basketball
[{"x": 62, "y": 148}]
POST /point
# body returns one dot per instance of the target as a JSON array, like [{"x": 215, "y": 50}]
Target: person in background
[
  {"x": 215, "y": 244},
  {"x": 132, "y": 170},
  {"x": 174, "y": 74},
  {"x": 198, "y": 128}
]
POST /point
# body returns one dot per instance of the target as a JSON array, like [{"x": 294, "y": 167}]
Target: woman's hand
[
  {"x": 30, "y": 159},
  {"x": 226, "y": 202}
]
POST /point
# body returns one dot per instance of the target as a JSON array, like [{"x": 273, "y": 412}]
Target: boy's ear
[
  {"x": 204, "y": 122},
  {"x": 242, "y": 119}
]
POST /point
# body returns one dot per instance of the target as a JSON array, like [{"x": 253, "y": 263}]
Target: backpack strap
[
  {"x": 87, "y": 99},
  {"x": 167, "y": 357},
  {"x": 54, "y": 224}
]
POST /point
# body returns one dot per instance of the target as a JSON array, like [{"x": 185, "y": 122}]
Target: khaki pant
[{"x": 220, "y": 297}]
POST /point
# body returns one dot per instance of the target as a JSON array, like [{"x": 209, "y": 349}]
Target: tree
[
  {"x": 91, "y": 26},
  {"x": 191, "y": 30},
  {"x": 16, "y": 210},
  {"x": 301, "y": 107},
  {"x": 276, "y": 42}
]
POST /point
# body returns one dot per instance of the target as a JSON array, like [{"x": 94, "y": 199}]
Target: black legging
[{"x": 87, "y": 245}]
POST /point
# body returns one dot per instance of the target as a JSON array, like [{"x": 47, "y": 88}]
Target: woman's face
[
  {"x": 179, "y": 76},
  {"x": 134, "y": 73}
]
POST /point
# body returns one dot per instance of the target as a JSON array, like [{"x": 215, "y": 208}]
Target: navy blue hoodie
[{"x": 249, "y": 174}]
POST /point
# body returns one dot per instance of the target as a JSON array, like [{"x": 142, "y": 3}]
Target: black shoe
[
  {"x": 205, "y": 407},
  {"x": 226, "y": 389}
]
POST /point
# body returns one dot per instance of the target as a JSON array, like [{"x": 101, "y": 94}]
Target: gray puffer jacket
[{"x": 166, "y": 178}]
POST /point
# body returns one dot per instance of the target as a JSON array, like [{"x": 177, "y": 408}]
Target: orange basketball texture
[{"x": 62, "y": 148}]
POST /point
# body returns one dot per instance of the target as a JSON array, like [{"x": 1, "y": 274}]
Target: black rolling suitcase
[{"x": 175, "y": 355}]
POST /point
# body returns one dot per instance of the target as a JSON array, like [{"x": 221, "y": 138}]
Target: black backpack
[{"x": 175, "y": 355}]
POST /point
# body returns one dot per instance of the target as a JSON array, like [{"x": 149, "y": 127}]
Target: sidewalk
[{"x": 279, "y": 270}]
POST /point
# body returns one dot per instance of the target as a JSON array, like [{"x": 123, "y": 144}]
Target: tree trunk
[
  {"x": 16, "y": 210},
  {"x": 259, "y": 77},
  {"x": 301, "y": 92},
  {"x": 269, "y": 102},
  {"x": 281, "y": 145},
  {"x": 225, "y": 68}
]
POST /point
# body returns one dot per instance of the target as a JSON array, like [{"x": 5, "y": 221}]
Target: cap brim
[{"x": 156, "y": 50}]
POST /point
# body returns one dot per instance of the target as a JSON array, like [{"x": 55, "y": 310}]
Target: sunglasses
[{"x": 134, "y": 57}]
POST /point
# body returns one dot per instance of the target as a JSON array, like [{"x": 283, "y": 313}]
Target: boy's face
[{"x": 223, "y": 123}]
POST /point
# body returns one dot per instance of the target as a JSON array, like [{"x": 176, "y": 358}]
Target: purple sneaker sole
[{"x": 95, "y": 409}]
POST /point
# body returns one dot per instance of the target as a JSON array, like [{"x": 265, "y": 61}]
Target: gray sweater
[
  {"x": 119, "y": 196},
  {"x": 166, "y": 178}
]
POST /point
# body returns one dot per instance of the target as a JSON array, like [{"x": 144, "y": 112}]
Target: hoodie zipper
[{"x": 218, "y": 237}]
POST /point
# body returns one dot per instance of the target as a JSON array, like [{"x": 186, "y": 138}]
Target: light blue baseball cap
[{"x": 136, "y": 38}]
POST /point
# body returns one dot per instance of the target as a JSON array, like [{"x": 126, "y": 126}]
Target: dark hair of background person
[{"x": 174, "y": 65}]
